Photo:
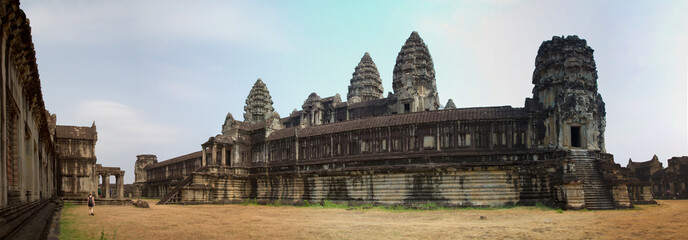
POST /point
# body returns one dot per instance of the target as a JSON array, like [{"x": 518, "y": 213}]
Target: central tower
[{"x": 414, "y": 78}]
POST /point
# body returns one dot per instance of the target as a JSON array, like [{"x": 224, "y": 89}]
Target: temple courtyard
[{"x": 668, "y": 220}]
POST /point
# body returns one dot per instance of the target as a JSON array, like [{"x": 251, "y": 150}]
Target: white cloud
[
  {"x": 123, "y": 125},
  {"x": 111, "y": 22}
]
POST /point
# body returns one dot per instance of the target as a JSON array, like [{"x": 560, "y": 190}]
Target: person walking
[{"x": 91, "y": 204}]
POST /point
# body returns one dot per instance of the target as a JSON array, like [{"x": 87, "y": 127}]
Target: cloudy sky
[{"x": 158, "y": 77}]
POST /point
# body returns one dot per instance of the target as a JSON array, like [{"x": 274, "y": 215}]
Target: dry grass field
[{"x": 669, "y": 220}]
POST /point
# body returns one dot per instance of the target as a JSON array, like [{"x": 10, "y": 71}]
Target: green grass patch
[
  {"x": 427, "y": 206},
  {"x": 330, "y": 204},
  {"x": 277, "y": 203},
  {"x": 69, "y": 230},
  {"x": 544, "y": 207}
]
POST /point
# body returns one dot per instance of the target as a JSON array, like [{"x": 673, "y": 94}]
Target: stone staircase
[
  {"x": 14, "y": 218},
  {"x": 597, "y": 194},
  {"x": 175, "y": 194}
]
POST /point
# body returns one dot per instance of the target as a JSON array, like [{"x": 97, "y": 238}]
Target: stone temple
[{"x": 406, "y": 149}]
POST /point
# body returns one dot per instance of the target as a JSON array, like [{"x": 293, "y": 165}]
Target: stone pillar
[
  {"x": 120, "y": 186},
  {"x": 106, "y": 190},
  {"x": 214, "y": 154},
  {"x": 224, "y": 156},
  {"x": 203, "y": 158},
  {"x": 102, "y": 186}
]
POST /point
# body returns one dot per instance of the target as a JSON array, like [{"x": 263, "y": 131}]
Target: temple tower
[
  {"x": 258, "y": 103},
  {"x": 414, "y": 78},
  {"x": 312, "y": 110},
  {"x": 365, "y": 84},
  {"x": 569, "y": 111},
  {"x": 450, "y": 104},
  {"x": 142, "y": 161}
]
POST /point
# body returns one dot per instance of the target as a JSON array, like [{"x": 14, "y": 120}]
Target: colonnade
[
  {"x": 215, "y": 159},
  {"x": 105, "y": 184}
]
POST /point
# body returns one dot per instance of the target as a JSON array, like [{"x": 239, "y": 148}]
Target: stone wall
[
  {"x": 28, "y": 163},
  {"x": 463, "y": 183},
  {"x": 76, "y": 152}
]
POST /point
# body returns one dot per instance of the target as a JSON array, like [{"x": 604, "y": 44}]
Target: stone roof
[
  {"x": 223, "y": 139},
  {"x": 365, "y": 82},
  {"x": 376, "y": 102},
  {"x": 644, "y": 164},
  {"x": 282, "y": 133},
  {"x": 480, "y": 113},
  {"x": 74, "y": 132},
  {"x": 175, "y": 160}
]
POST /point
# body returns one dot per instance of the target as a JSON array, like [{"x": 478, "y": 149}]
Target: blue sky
[{"x": 158, "y": 77}]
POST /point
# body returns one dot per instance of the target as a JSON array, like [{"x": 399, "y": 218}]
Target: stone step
[{"x": 597, "y": 195}]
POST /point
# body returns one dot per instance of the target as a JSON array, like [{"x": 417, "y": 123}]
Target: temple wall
[
  {"x": 77, "y": 162},
  {"x": 480, "y": 185},
  {"x": 573, "y": 194},
  {"x": 620, "y": 196},
  {"x": 640, "y": 194},
  {"x": 27, "y": 156}
]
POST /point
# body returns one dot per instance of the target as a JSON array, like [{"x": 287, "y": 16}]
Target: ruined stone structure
[
  {"x": 38, "y": 159},
  {"x": 663, "y": 183},
  {"x": 403, "y": 149}
]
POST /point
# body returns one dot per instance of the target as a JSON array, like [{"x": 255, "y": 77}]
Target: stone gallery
[
  {"x": 666, "y": 183},
  {"x": 39, "y": 160},
  {"x": 406, "y": 149}
]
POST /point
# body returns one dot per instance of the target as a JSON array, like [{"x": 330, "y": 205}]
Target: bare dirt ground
[{"x": 669, "y": 220}]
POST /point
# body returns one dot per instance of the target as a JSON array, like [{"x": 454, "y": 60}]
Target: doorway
[{"x": 575, "y": 136}]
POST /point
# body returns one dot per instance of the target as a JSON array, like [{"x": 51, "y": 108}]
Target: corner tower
[
  {"x": 365, "y": 84},
  {"x": 414, "y": 77},
  {"x": 570, "y": 113},
  {"x": 258, "y": 103}
]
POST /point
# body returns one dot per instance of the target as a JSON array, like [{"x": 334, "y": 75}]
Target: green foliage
[
  {"x": 277, "y": 203},
  {"x": 541, "y": 206},
  {"x": 330, "y": 204},
  {"x": 559, "y": 210},
  {"x": 252, "y": 202}
]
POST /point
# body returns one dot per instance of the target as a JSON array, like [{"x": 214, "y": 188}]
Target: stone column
[
  {"x": 203, "y": 158},
  {"x": 120, "y": 186},
  {"x": 117, "y": 177},
  {"x": 214, "y": 154},
  {"x": 102, "y": 186},
  {"x": 224, "y": 156},
  {"x": 106, "y": 195}
]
